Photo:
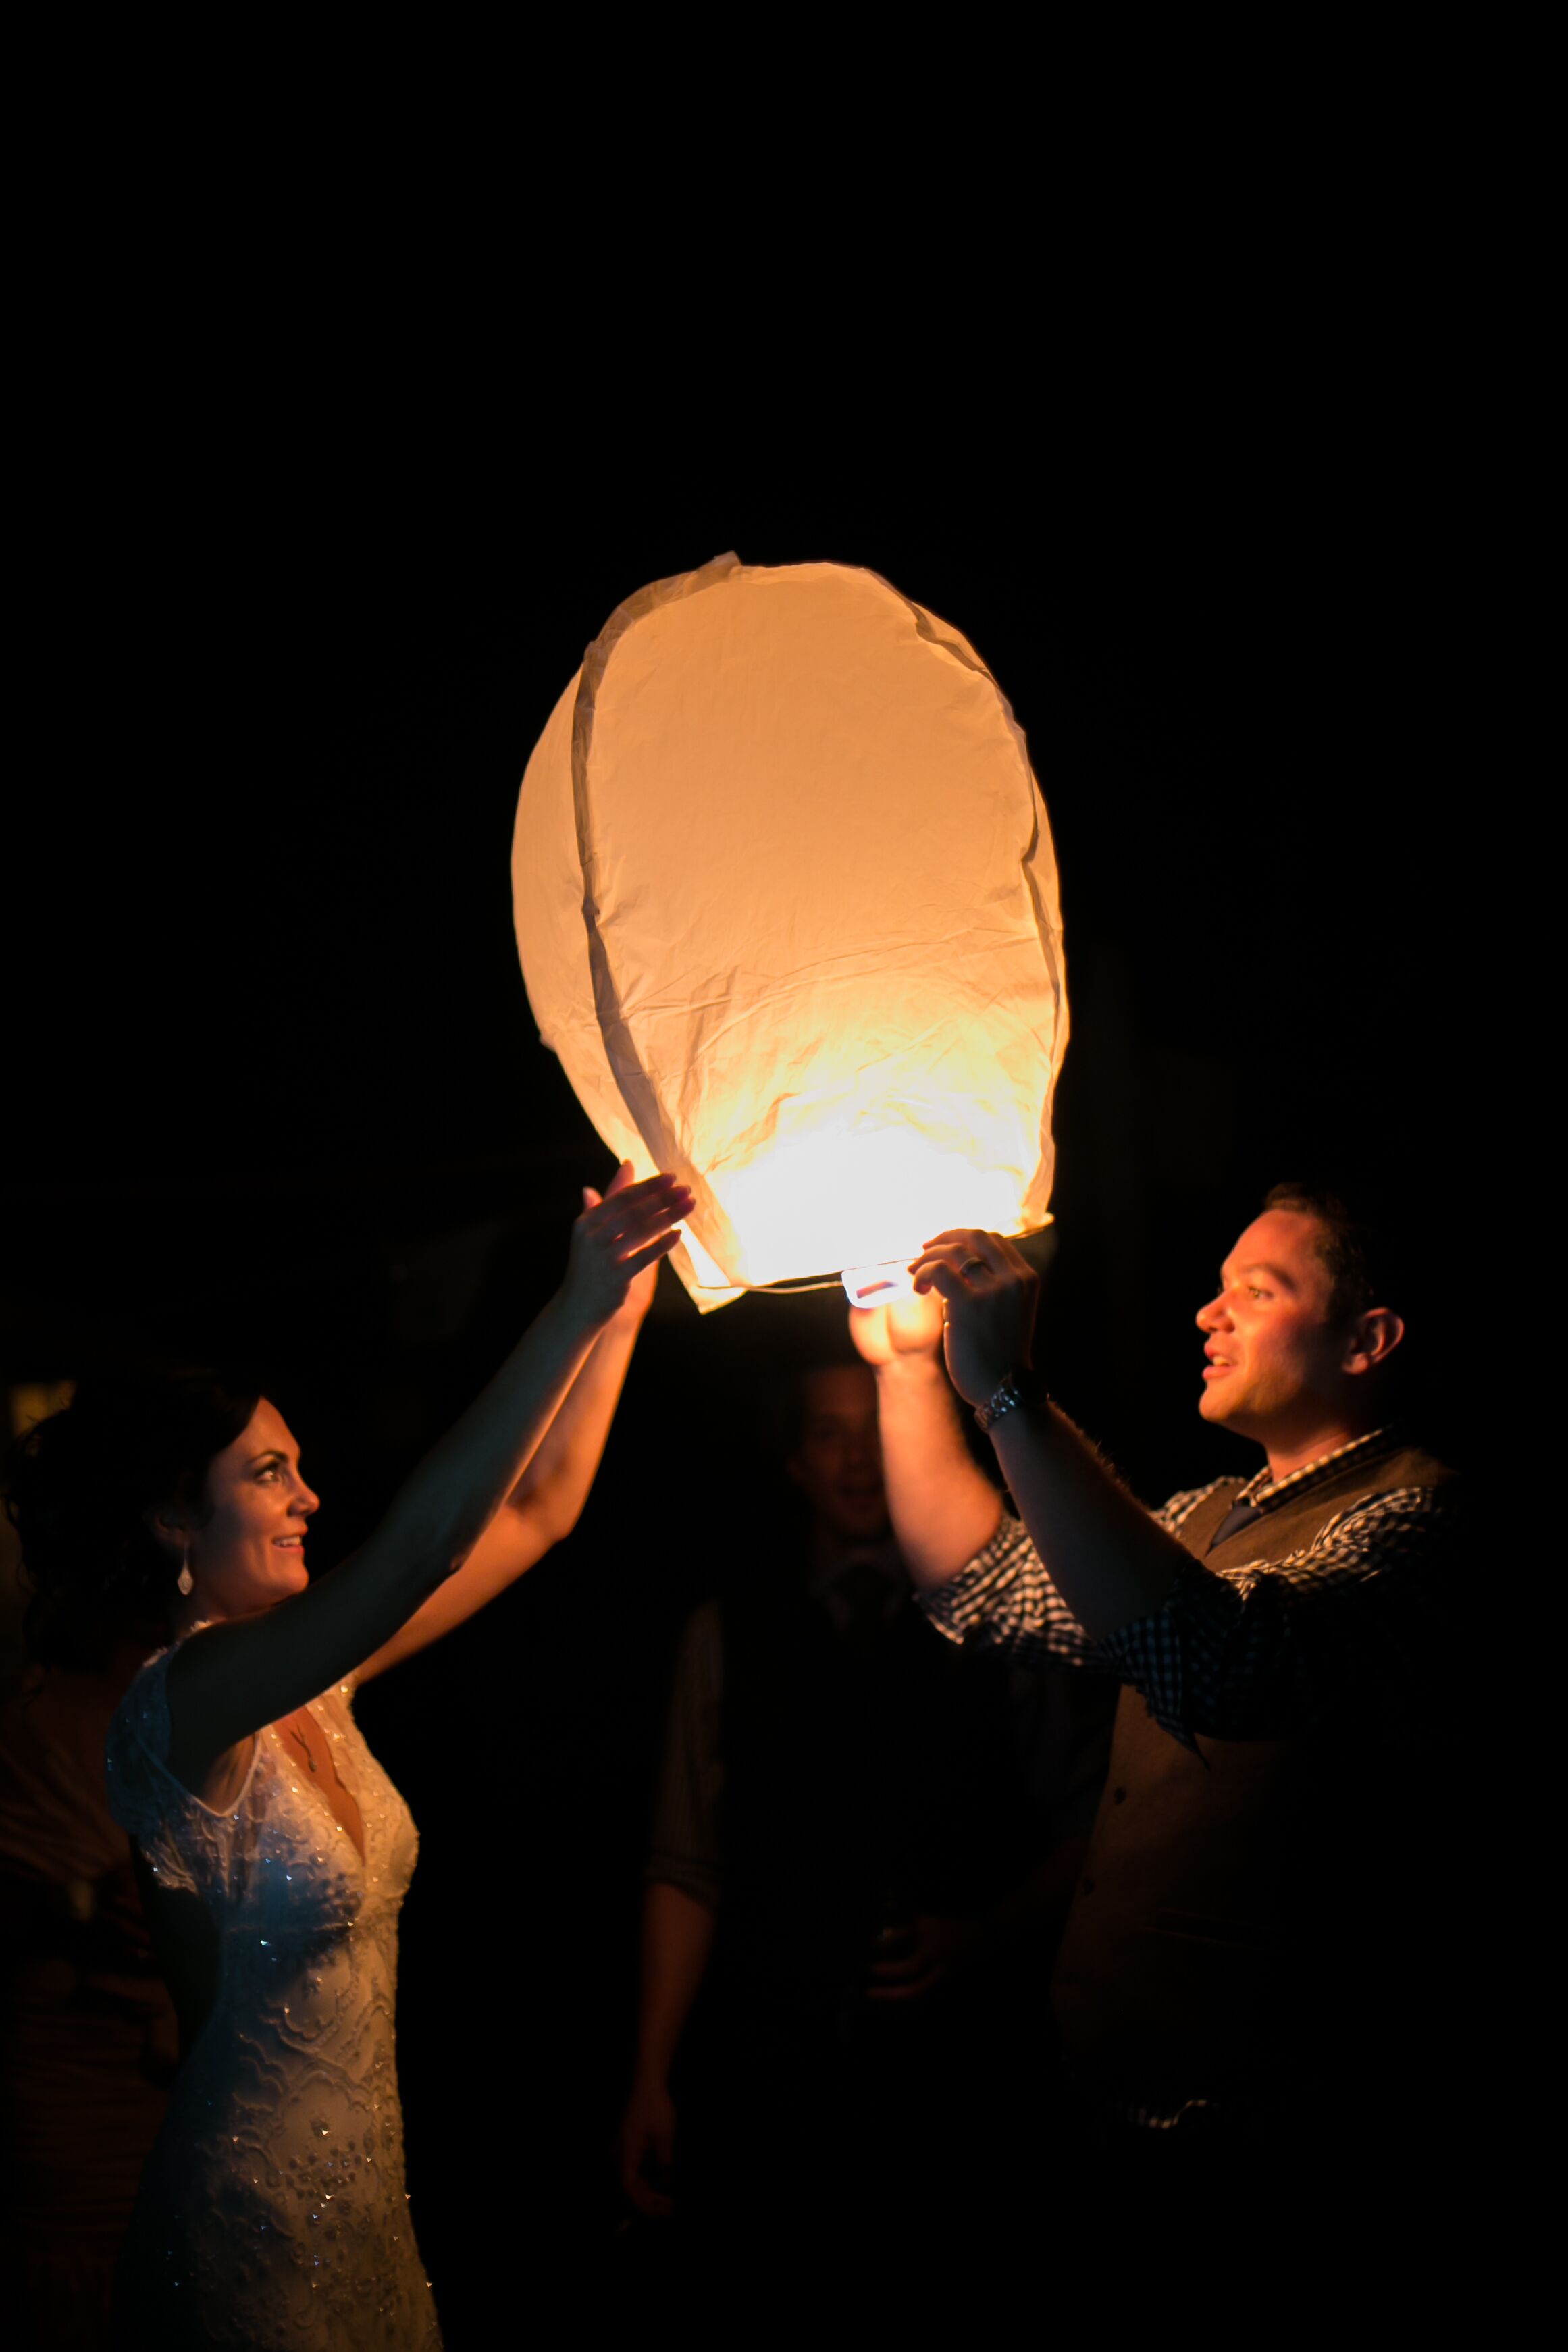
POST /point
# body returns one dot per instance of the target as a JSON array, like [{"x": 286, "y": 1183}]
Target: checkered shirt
[{"x": 1247, "y": 1652}]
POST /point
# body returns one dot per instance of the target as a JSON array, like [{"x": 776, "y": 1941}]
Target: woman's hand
[
  {"x": 990, "y": 1292},
  {"x": 640, "y": 1289},
  {"x": 619, "y": 1239}
]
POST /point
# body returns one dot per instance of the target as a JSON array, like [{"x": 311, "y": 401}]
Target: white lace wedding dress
[{"x": 272, "y": 2211}]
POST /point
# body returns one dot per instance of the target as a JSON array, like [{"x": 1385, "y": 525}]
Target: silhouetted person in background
[
  {"x": 89, "y": 2043},
  {"x": 855, "y": 1834},
  {"x": 1253, "y": 1985}
]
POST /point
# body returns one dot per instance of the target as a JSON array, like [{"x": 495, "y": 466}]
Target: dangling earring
[{"x": 185, "y": 1579}]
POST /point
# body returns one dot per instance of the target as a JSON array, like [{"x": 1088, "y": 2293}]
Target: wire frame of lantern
[{"x": 787, "y": 911}]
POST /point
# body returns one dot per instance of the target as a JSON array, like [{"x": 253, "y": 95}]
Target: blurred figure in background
[
  {"x": 857, "y": 1835},
  {"x": 89, "y": 2043}
]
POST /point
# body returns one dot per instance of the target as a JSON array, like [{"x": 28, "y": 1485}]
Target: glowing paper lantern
[{"x": 786, "y": 905}]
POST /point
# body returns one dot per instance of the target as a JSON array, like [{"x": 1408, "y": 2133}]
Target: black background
[{"x": 275, "y": 1091}]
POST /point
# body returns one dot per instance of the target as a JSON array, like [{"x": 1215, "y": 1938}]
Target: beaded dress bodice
[{"x": 272, "y": 2210}]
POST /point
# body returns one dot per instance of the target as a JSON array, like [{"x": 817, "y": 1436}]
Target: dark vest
[{"x": 1239, "y": 1926}]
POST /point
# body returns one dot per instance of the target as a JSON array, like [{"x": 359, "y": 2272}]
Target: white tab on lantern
[{"x": 874, "y": 1286}]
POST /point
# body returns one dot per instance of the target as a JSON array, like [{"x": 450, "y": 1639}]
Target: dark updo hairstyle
[{"x": 80, "y": 1488}]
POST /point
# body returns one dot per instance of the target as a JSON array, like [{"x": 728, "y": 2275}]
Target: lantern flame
[{"x": 829, "y": 1201}]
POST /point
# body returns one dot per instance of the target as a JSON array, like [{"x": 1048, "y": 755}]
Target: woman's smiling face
[{"x": 249, "y": 1549}]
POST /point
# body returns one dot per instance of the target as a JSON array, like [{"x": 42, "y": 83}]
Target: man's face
[
  {"x": 1276, "y": 1360},
  {"x": 838, "y": 1462}
]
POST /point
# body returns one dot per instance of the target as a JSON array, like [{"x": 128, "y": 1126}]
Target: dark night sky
[{"x": 274, "y": 1087}]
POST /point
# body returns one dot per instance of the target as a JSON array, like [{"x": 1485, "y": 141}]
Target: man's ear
[{"x": 1372, "y": 1339}]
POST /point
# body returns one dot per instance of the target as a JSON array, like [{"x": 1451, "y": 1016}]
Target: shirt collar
[
  {"x": 1262, "y": 1491},
  {"x": 883, "y": 1558}
]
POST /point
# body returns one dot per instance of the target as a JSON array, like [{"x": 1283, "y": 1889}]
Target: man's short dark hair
[{"x": 1352, "y": 1250}]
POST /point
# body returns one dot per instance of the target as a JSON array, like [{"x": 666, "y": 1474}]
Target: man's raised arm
[
  {"x": 1107, "y": 1558},
  {"x": 943, "y": 1508}
]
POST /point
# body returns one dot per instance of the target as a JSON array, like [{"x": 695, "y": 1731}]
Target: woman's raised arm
[
  {"x": 234, "y": 1676},
  {"x": 547, "y": 1501}
]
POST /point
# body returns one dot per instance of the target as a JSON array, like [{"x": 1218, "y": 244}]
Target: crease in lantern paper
[{"x": 765, "y": 991}]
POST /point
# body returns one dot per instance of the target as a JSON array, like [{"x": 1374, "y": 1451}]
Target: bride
[{"x": 274, "y": 1852}]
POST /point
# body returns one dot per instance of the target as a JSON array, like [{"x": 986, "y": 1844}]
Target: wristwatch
[{"x": 1018, "y": 1388}]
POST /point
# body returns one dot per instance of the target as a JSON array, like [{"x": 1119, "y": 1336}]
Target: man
[
  {"x": 846, "y": 1813},
  {"x": 1243, "y": 1967}
]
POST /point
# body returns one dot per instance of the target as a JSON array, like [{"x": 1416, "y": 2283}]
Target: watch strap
[{"x": 1017, "y": 1388}]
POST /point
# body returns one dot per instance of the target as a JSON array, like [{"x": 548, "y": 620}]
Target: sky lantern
[{"x": 786, "y": 905}]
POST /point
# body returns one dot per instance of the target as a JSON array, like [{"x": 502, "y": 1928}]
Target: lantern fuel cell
[
  {"x": 787, "y": 910},
  {"x": 874, "y": 1286}
]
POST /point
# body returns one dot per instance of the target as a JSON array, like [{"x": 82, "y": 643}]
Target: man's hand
[
  {"x": 941, "y": 1945},
  {"x": 990, "y": 1292},
  {"x": 647, "y": 2150},
  {"x": 904, "y": 1326}
]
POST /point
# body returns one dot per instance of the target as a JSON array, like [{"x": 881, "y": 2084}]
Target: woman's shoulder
[
  {"x": 141, "y": 1716},
  {"x": 143, "y": 1785},
  {"x": 189, "y": 1845},
  {"x": 136, "y": 1751}
]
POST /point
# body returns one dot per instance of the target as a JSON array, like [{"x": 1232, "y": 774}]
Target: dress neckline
[{"x": 319, "y": 1801}]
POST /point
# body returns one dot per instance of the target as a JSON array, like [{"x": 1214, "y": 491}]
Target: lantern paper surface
[{"x": 786, "y": 905}]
